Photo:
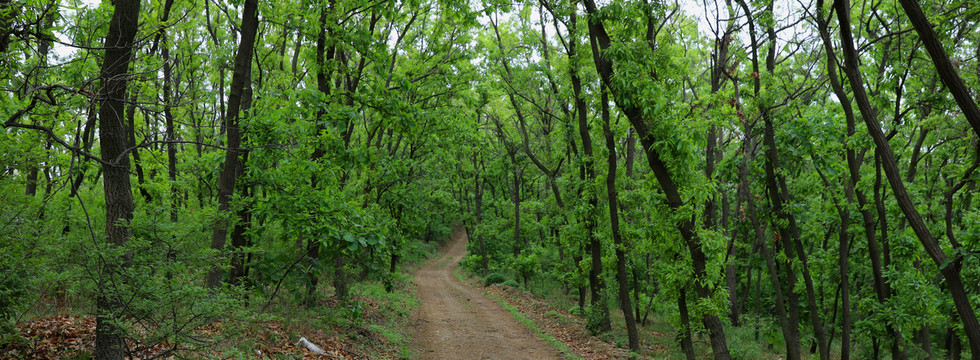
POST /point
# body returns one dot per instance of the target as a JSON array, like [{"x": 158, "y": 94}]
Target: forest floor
[{"x": 459, "y": 320}]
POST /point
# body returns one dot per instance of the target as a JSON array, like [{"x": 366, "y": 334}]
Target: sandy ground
[{"x": 457, "y": 321}]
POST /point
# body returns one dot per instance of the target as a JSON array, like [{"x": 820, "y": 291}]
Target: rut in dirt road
[{"x": 456, "y": 321}]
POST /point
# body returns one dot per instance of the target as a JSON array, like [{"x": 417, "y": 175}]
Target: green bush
[
  {"x": 512, "y": 283},
  {"x": 12, "y": 290},
  {"x": 494, "y": 278}
]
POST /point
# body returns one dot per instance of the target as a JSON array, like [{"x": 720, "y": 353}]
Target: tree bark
[
  {"x": 229, "y": 171},
  {"x": 600, "y": 41},
  {"x": 948, "y": 269},
  {"x": 944, "y": 67},
  {"x": 625, "y": 303},
  {"x": 168, "y": 114},
  {"x": 597, "y": 285},
  {"x": 687, "y": 342},
  {"x": 119, "y": 43}
]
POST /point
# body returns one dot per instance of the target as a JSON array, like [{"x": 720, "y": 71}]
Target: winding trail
[{"x": 457, "y": 321}]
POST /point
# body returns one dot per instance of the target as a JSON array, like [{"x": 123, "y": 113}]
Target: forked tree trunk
[{"x": 229, "y": 171}]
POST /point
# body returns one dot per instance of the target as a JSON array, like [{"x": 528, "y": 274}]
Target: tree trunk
[
  {"x": 687, "y": 342},
  {"x": 944, "y": 66},
  {"x": 478, "y": 194},
  {"x": 119, "y": 43},
  {"x": 621, "y": 272},
  {"x": 169, "y": 116},
  {"x": 597, "y": 285},
  {"x": 239, "y": 239},
  {"x": 948, "y": 269},
  {"x": 789, "y": 322},
  {"x": 229, "y": 171},
  {"x": 600, "y": 41}
]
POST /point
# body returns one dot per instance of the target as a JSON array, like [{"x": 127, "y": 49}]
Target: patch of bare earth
[{"x": 457, "y": 321}]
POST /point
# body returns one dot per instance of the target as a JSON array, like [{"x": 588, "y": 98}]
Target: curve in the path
[{"x": 456, "y": 321}]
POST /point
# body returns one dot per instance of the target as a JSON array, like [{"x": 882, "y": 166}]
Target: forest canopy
[{"x": 803, "y": 171}]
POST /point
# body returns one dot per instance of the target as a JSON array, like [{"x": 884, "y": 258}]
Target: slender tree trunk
[
  {"x": 169, "y": 116},
  {"x": 783, "y": 233},
  {"x": 621, "y": 247},
  {"x": 43, "y": 48},
  {"x": 597, "y": 284},
  {"x": 324, "y": 55},
  {"x": 137, "y": 162},
  {"x": 687, "y": 342},
  {"x": 788, "y": 321},
  {"x": 119, "y": 43},
  {"x": 949, "y": 269},
  {"x": 229, "y": 171},
  {"x": 944, "y": 66},
  {"x": 600, "y": 41},
  {"x": 478, "y": 194},
  {"x": 239, "y": 237},
  {"x": 515, "y": 197}
]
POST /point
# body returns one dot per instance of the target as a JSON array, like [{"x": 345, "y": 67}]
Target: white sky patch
[{"x": 68, "y": 12}]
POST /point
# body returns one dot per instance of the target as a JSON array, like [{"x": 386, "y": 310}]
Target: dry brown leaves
[
  {"x": 53, "y": 337},
  {"x": 331, "y": 344},
  {"x": 63, "y": 336}
]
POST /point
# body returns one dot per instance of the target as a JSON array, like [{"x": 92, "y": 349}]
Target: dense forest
[{"x": 801, "y": 171}]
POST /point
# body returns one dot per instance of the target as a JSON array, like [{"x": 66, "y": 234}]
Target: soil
[{"x": 457, "y": 321}]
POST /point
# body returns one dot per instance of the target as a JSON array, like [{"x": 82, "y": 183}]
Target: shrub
[
  {"x": 12, "y": 290},
  {"x": 494, "y": 278},
  {"x": 512, "y": 283}
]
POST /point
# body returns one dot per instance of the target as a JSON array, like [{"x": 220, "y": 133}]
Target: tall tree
[
  {"x": 601, "y": 42},
  {"x": 232, "y": 124},
  {"x": 110, "y": 338},
  {"x": 949, "y": 269}
]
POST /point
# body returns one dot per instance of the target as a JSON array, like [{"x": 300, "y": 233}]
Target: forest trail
[{"x": 457, "y": 321}]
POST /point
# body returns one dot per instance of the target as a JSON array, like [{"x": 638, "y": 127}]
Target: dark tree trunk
[
  {"x": 621, "y": 272},
  {"x": 600, "y": 41},
  {"x": 43, "y": 48},
  {"x": 324, "y": 55},
  {"x": 169, "y": 116},
  {"x": 788, "y": 321},
  {"x": 597, "y": 284},
  {"x": 515, "y": 197},
  {"x": 137, "y": 162},
  {"x": 478, "y": 195},
  {"x": 788, "y": 232},
  {"x": 944, "y": 66},
  {"x": 119, "y": 43},
  {"x": 719, "y": 65},
  {"x": 687, "y": 342},
  {"x": 239, "y": 237},
  {"x": 854, "y": 160},
  {"x": 949, "y": 269},
  {"x": 229, "y": 171},
  {"x": 31, "y": 188}
]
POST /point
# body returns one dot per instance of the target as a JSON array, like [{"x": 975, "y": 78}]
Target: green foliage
[
  {"x": 12, "y": 292},
  {"x": 495, "y": 278}
]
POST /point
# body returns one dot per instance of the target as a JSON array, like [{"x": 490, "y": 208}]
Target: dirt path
[{"x": 456, "y": 321}]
